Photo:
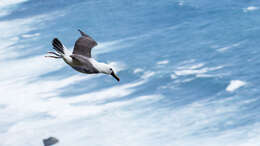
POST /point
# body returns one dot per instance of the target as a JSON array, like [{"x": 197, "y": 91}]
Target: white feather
[{"x": 101, "y": 67}]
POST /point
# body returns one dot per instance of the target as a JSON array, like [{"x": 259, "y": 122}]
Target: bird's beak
[{"x": 115, "y": 76}]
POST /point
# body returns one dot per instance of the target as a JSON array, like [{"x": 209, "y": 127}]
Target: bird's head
[
  {"x": 106, "y": 69},
  {"x": 112, "y": 73}
]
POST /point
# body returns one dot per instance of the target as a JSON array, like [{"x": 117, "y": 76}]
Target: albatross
[{"x": 80, "y": 59}]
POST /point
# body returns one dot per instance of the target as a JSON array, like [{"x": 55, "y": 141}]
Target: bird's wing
[{"x": 84, "y": 45}]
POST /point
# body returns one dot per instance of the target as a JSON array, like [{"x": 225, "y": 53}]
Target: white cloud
[{"x": 234, "y": 85}]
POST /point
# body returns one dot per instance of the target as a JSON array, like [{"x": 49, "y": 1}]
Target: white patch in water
[
  {"x": 148, "y": 74},
  {"x": 162, "y": 62},
  {"x": 117, "y": 66},
  {"x": 173, "y": 76},
  {"x": 138, "y": 70},
  {"x": 234, "y": 85},
  {"x": 6, "y": 6},
  {"x": 30, "y": 35},
  {"x": 228, "y": 47},
  {"x": 250, "y": 8},
  {"x": 191, "y": 71},
  {"x": 181, "y": 3},
  {"x": 195, "y": 66}
]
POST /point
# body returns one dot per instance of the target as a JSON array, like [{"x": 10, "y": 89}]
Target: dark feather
[
  {"x": 57, "y": 45},
  {"x": 84, "y": 45}
]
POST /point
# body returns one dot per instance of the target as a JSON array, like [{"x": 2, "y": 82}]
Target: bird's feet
[{"x": 53, "y": 53}]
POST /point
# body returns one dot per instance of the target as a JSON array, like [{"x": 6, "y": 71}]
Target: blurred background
[{"x": 189, "y": 73}]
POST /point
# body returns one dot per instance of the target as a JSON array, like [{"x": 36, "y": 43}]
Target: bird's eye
[{"x": 111, "y": 69}]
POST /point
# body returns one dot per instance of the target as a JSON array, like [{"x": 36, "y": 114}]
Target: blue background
[{"x": 189, "y": 73}]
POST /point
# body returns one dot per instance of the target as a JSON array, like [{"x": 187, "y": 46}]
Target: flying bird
[{"x": 80, "y": 59}]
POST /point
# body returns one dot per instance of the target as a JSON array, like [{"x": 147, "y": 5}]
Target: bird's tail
[{"x": 57, "y": 45}]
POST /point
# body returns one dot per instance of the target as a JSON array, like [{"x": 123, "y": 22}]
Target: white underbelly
[{"x": 68, "y": 60}]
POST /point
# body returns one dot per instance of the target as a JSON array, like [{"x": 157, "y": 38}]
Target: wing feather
[{"x": 84, "y": 45}]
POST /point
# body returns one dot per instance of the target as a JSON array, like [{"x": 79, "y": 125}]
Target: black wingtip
[{"x": 81, "y": 32}]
